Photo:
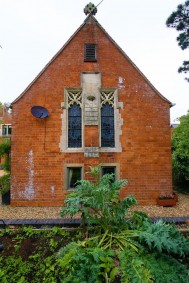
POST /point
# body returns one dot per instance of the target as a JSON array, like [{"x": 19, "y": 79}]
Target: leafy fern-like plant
[
  {"x": 98, "y": 202},
  {"x": 119, "y": 249}
]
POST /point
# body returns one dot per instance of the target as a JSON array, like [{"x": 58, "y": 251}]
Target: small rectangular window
[
  {"x": 90, "y": 53},
  {"x": 74, "y": 175},
  {"x": 109, "y": 170},
  {"x": 6, "y": 130}
]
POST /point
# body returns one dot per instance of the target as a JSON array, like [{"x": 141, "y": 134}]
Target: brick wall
[{"x": 38, "y": 165}]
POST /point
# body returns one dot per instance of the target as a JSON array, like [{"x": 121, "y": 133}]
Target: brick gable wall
[{"x": 38, "y": 165}]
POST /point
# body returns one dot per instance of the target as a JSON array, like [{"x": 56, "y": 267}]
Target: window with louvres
[{"x": 90, "y": 52}]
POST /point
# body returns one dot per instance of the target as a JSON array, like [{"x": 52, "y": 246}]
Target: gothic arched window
[
  {"x": 74, "y": 126},
  {"x": 107, "y": 125}
]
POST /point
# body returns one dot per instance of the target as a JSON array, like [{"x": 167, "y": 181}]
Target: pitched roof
[{"x": 91, "y": 17}]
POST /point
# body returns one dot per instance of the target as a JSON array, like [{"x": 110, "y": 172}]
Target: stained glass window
[
  {"x": 107, "y": 125},
  {"x": 74, "y": 126}
]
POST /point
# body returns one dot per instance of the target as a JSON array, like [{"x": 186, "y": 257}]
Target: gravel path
[
  {"x": 7, "y": 212},
  {"x": 181, "y": 208}
]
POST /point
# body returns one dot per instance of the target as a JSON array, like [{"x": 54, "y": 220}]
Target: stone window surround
[
  {"x": 64, "y": 116},
  {"x": 69, "y": 165},
  {"x": 81, "y": 165},
  {"x": 118, "y": 122},
  {"x": 113, "y": 102},
  {"x": 117, "y": 167}
]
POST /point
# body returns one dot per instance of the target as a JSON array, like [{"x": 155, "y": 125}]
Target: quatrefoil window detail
[
  {"x": 107, "y": 97},
  {"x": 74, "y": 96},
  {"x": 107, "y": 119}
]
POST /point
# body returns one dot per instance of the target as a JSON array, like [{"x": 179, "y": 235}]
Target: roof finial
[{"x": 90, "y": 9}]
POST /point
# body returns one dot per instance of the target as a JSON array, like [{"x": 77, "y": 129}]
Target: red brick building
[
  {"x": 102, "y": 110},
  {"x": 5, "y": 121}
]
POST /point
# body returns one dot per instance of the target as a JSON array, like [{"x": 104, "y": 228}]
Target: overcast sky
[{"x": 32, "y": 32}]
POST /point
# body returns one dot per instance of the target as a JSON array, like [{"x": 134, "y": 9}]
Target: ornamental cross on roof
[{"x": 90, "y": 9}]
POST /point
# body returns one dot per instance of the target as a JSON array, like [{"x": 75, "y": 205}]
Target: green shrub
[
  {"x": 5, "y": 148},
  {"x": 180, "y": 154},
  {"x": 30, "y": 255},
  {"x": 98, "y": 202},
  {"x": 116, "y": 249},
  {"x": 5, "y": 183}
]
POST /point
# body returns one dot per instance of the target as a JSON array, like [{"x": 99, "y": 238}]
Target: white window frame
[{"x": 7, "y": 126}]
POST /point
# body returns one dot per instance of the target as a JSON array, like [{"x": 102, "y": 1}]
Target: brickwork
[
  {"x": 5, "y": 115},
  {"x": 143, "y": 152},
  {"x": 5, "y": 120}
]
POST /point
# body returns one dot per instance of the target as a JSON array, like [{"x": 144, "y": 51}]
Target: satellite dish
[{"x": 39, "y": 112}]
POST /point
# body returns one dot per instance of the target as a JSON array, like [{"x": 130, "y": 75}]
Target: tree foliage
[
  {"x": 5, "y": 184},
  {"x": 180, "y": 154},
  {"x": 179, "y": 20},
  {"x": 5, "y": 148},
  {"x": 118, "y": 246}
]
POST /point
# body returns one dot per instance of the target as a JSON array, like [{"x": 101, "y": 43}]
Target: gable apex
[
  {"x": 90, "y": 19},
  {"x": 87, "y": 20}
]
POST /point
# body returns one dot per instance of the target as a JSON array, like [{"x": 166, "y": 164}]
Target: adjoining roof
[{"x": 88, "y": 18}]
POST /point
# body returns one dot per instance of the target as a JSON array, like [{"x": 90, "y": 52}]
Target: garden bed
[{"x": 30, "y": 255}]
